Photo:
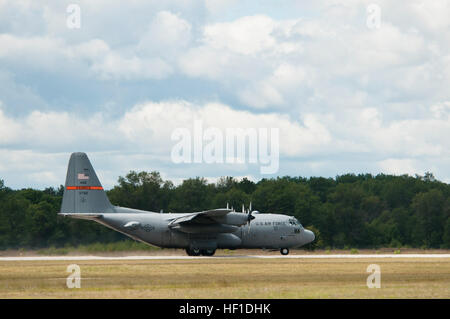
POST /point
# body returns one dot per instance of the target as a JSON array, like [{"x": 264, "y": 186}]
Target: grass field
[{"x": 228, "y": 278}]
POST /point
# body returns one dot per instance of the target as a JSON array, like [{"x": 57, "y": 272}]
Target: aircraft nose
[{"x": 309, "y": 236}]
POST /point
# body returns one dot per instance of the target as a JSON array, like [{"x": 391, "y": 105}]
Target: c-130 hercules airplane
[{"x": 200, "y": 233}]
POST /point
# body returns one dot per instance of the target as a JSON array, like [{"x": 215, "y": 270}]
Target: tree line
[{"x": 361, "y": 211}]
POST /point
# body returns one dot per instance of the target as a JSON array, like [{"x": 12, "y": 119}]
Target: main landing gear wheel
[
  {"x": 208, "y": 252},
  {"x": 284, "y": 251},
  {"x": 193, "y": 251}
]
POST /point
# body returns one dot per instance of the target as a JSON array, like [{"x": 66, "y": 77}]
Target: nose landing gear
[{"x": 284, "y": 251}]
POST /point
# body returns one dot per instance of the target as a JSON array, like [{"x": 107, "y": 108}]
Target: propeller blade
[{"x": 249, "y": 219}]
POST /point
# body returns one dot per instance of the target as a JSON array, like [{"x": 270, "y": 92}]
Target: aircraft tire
[
  {"x": 284, "y": 251},
  {"x": 193, "y": 252},
  {"x": 208, "y": 252}
]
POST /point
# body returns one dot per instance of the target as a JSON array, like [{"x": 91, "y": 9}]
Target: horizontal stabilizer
[{"x": 82, "y": 216}]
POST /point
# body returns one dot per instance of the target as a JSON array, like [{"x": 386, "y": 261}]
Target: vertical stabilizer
[{"x": 83, "y": 193}]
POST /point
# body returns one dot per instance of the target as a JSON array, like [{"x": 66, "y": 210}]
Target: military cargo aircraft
[{"x": 199, "y": 233}]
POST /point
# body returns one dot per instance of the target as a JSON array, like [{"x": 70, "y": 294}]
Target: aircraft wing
[{"x": 205, "y": 217}]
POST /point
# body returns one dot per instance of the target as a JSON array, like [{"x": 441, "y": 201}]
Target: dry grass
[{"x": 228, "y": 278}]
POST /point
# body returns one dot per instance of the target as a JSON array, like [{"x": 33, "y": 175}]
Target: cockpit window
[{"x": 295, "y": 222}]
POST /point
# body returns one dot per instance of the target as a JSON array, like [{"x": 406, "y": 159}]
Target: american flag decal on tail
[{"x": 82, "y": 176}]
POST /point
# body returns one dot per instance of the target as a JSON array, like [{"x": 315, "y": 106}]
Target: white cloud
[
  {"x": 150, "y": 125},
  {"x": 8, "y": 129},
  {"x": 441, "y": 110},
  {"x": 336, "y": 88},
  {"x": 53, "y": 54},
  {"x": 261, "y": 95},
  {"x": 245, "y": 54},
  {"x": 399, "y": 166},
  {"x": 115, "y": 66},
  {"x": 247, "y": 35},
  {"x": 297, "y": 60},
  {"x": 54, "y": 131},
  {"x": 394, "y": 147},
  {"x": 167, "y": 32},
  {"x": 274, "y": 89},
  {"x": 218, "y": 6},
  {"x": 206, "y": 62}
]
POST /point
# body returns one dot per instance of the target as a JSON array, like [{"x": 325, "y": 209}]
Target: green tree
[
  {"x": 317, "y": 243},
  {"x": 42, "y": 223},
  {"x": 234, "y": 197},
  {"x": 446, "y": 237},
  {"x": 430, "y": 208},
  {"x": 349, "y": 210},
  {"x": 143, "y": 190},
  {"x": 246, "y": 185},
  {"x": 13, "y": 222},
  {"x": 191, "y": 196}
]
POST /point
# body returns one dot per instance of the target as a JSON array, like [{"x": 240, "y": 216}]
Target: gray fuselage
[
  {"x": 198, "y": 232},
  {"x": 267, "y": 231}
]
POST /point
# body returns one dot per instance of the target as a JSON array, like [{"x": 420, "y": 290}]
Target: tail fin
[{"x": 83, "y": 193}]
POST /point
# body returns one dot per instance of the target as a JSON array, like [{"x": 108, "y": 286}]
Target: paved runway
[{"x": 71, "y": 258}]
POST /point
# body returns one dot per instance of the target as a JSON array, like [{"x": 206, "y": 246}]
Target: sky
[{"x": 353, "y": 86}]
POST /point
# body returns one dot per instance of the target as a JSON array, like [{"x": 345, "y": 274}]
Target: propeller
[{"x": 250, "y": 217}]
